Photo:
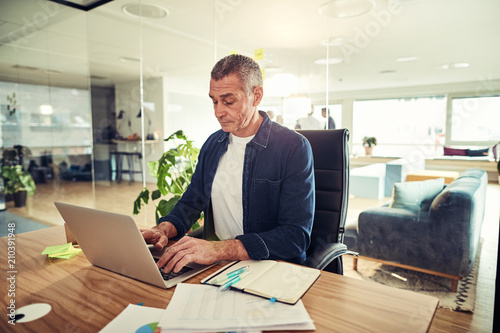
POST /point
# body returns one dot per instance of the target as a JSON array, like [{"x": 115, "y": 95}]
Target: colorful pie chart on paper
[{"x": 149, "y": 328}]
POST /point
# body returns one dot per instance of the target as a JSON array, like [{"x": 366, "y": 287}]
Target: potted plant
[
  {"x": 368, "y": 143},
  {"x": 18, "y": 183},
  {"x": 173, "y": 172}
]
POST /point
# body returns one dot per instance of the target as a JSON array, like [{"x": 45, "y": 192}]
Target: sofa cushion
[
  {"x": 477, "y": 152},
  {"x": 454, "y": 151},
  {"x": 416, "y": 195}
]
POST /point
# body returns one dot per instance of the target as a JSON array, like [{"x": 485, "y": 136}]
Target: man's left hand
[{"x": 189, "y": 249}]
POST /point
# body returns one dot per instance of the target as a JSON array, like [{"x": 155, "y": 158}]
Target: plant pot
[
  {"x": 20, "y": 198},
  {"x": 368, "y": 151}
]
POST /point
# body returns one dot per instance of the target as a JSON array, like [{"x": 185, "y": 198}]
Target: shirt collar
[{"x": 261, "y": 138}]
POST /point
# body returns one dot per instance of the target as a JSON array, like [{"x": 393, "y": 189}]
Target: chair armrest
[
  {"x": 198, "y": 233},
  {"x": 325, "y": 254}
]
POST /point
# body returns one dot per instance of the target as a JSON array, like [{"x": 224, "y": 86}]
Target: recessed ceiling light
[
  {"x": 130, "y": 60},
  {"x": 345, "y": 8},
  {"x": 52, "y": 71},
  {"x": 335, "y": 41},
  {"x": 406, "y": 59},
  {"x": 330, "y": 61},
  {"x": 145, "y": 10},
  {"x": 453, "y": 65},
  {"x": 460, "y": 65},
  {"x": 388, "y": 72},
  {"x": 28, "y": 68}
]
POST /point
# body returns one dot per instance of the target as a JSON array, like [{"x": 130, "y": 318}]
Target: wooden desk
[{"x": 85, "y": 298}]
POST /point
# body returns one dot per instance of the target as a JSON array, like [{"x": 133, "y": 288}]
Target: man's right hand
[{"x": 159, "y": 235}]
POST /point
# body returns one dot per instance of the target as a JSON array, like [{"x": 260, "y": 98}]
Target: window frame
[{"x": 449, "y": 121}]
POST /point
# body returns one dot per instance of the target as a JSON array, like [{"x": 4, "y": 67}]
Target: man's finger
[{"x": 162, "y": 242}]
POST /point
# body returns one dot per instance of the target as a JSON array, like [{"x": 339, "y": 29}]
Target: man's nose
[{"x": 219, "y": 110}]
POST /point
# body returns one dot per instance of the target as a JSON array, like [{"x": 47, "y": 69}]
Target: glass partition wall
[
  {"x": 83, "y": 92},
  {"x": 87, "y": 91}
]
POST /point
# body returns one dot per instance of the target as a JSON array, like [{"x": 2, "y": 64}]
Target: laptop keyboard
[{"x": 171, "y": 275}]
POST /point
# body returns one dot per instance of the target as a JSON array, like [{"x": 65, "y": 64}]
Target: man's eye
[{"x": 228, "y": 103}]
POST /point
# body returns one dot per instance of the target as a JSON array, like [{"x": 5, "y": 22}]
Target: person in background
[
  {"x": 330, "y": 124},
  {"x": 270, "y": 113},
  {"x": 254, "y": 181},
  {"x": 279, "y": 119},
  {"x": 309, "y": 122}
]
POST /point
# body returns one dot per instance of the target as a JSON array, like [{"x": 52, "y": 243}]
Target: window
[
  {"x": 475, "y": 120},
  {"x": 401, "y": 126}
]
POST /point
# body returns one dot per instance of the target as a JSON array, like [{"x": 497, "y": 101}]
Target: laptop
[{"x": 114, "y": 242}]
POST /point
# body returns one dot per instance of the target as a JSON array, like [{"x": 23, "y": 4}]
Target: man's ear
[{"x": 258, "y": 93}]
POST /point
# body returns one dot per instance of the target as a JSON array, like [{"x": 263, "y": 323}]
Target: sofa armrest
[{"x": 394, "y": 234}]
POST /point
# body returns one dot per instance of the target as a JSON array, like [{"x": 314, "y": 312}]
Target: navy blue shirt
[{"x": 278, "y": 193}]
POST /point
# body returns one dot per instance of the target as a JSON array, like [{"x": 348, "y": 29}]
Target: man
[
  {"x": 330, "y": 124},
  {"x": 254, "y": 181}
]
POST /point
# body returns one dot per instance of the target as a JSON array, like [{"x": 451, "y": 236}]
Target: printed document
[{"x": 202, "y": 307}]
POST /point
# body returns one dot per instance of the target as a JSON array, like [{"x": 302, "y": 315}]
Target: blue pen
[
  {"x": 232, "y": 274},
  {"x": 232, "y": 281}
]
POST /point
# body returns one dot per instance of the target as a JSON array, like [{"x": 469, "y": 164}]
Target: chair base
[{"x": 453, "y": 279}]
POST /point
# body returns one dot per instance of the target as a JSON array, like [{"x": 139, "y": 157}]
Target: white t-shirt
[{"x": 227, "y": 190}]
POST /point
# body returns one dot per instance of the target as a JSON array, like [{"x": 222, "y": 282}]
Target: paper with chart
[
  {"x": 202, "y": 307},
  {"x": 135, "y": 318}
]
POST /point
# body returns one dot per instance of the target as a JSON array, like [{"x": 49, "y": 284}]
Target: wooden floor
[{"x": 119, "y": 198}]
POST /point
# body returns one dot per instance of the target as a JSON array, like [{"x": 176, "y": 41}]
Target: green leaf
[
  {"x": 195, "y": 226},
  {"x": 142, "y": 197},
  {"x": 155, "y": 195},
  {"x": 165, "y": 207},
  {"x": 153, "y": 168}
]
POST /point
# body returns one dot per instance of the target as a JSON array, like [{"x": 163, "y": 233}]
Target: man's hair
[{"x": 244, "y": 67}]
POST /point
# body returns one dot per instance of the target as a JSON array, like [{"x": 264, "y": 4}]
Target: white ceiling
[{"x": 43, "y": 42}]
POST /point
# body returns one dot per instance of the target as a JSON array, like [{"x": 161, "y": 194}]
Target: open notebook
[{"x": 283, "y": 281}]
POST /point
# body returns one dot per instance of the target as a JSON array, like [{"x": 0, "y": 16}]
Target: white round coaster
[{"x": 33, "y": 312}]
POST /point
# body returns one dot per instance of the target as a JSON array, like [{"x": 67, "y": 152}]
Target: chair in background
[
  {"x": 331, "y": 170},
  {"x": 118, "y": 169}
]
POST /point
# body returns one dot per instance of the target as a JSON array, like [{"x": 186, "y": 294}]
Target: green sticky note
[
  {"x": 65, "y": 251},
  {"x": 56, "y": 248},
  {"x": 65, "y": 255}
]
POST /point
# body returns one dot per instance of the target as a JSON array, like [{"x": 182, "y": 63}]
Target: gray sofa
[{"x": 442, "y": 238}]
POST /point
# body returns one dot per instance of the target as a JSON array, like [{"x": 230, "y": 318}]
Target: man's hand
[
  {"x": 159, "y": 235},
  {"x": 189, "y": 249}
]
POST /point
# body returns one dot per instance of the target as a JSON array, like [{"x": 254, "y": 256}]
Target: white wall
[{"x": 190, "y": 111}]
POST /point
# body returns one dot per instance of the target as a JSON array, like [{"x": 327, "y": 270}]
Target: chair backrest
[{"x": 331, "y": 170}]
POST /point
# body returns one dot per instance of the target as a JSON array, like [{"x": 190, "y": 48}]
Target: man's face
[{"x": 233, "y": 108}]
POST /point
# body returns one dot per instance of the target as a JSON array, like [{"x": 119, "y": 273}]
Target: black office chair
[{"x": 331, "y": 170}]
